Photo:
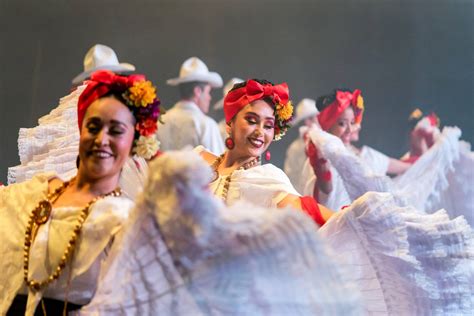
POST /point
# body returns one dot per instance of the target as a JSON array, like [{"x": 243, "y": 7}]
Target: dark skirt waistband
[{"x": 53, "y": 307}]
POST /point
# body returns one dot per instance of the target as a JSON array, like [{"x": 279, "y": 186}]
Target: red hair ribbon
[
  {"x": 344, "y": 99},
  {"x": 237, "y": 99},
  {"x": 101, "y": 83}
]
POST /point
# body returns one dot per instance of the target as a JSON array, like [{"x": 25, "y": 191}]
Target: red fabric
[
  {"x": 330, "y": 114},
  {"x": 310, "y": 207},
  {"x": 237, "y": 99},
  {"x": 101, "y": 83},
  {"x": 411, "y": 159},
  {"x": 434, "y": 119}
]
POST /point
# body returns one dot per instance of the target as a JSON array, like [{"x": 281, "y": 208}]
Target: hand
[{"x": 314, "y": 155}]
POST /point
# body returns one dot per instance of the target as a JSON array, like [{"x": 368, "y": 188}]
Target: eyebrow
[
  {"x": 97, "y": 119},
  {"x": 266, "y": 118}
]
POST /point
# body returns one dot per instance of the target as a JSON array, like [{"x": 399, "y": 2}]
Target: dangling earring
[
  {"x": 229, "y": 143},
  {"x": 268, "y": 155}
]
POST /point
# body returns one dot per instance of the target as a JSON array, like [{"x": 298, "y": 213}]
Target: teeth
[
  {"x": 256, "y": 142},
  {"x": 101, "y": 154}
]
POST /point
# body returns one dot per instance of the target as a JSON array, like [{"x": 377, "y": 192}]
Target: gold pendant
[{"x": 43, "y": 212}]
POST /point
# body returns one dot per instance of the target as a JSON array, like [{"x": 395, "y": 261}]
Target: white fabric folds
[{"x": 185, "y": 253}]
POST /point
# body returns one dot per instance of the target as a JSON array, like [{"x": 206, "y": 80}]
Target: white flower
[{"x": 146, "y": 147}]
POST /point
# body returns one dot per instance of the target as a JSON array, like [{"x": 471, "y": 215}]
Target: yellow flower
[
  {"x": 416, "y": 114},
  {"x": 142, "y": 93},
  {"x": 360, "y": 102},
  {"x": 285, "y": 111}
]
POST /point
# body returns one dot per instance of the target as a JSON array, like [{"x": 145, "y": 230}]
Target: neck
[
  {"x": 235, "y": 161},
  {"x": 192, "y": 99},
  {"x": 96, "y": 187}
]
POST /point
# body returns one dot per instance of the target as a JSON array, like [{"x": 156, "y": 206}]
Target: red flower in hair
[{"x": 147, "y": 127}]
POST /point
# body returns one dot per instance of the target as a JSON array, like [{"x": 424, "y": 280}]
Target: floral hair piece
[
  {"x": 139, "y": 96},
  {"x": 343, "y": 100},
  {"x": 238, "y": 98}
]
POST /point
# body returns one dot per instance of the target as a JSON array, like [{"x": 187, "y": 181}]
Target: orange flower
[
  {"x": 142, "y": 93},
  {"x": 285, "y": 111}
]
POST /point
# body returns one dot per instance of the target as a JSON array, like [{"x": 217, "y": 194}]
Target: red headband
[
  {"x": 101, "y": 83},
  {"x": 237, "y": 99},
  {"x": 344, "y": 99}
]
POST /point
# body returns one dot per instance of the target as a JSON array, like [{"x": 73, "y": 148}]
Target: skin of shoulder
[
  {"x": 208, "y": 157},
  {"x": 54, "y": 183}
]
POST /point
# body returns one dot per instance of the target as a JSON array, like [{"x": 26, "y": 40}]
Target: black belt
[{"x": 53, "y": 307}]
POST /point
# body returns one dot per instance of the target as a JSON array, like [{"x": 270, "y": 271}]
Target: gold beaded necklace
[
  {"x": 215, "y": 167},
  {"x": 39, "y": 216}
]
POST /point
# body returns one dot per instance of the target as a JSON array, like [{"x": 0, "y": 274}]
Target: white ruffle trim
[{"x": 404, "y": 262}]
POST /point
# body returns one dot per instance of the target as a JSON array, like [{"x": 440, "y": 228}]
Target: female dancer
[
  {"x": 57, "y": 232},
  {"x": 257, "y": 112},
  {"x": 342, "y": 176}
]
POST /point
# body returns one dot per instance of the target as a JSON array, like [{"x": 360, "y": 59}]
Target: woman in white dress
[
  {"x": 348, "y": 176},
  {"x": 257, "y": 112},
  {"x": 56, "y": 233}
]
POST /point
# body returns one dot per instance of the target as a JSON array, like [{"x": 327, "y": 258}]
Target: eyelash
[
  {"x": 266, "y": 126},
  {"x": 94, "y": 129}
]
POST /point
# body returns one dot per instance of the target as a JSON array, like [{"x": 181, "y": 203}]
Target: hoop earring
[{"x": 229, "y": 143}]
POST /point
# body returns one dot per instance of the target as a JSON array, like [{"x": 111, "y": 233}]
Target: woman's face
[
  {"x": 106, "y": 138},
  {"x": 253, "y": 129},
  {"x": 355, "y": 133},
  {"x": 344, "y": 126}
]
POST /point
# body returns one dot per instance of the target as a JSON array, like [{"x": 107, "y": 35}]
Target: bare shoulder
[
  {"x": 208, "y": 156},
  {"x": 54, "y": 183}
]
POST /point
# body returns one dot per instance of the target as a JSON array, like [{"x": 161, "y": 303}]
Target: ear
[
  {"x": 228, "y": 128},
  {"x": 197, "y": 91}
]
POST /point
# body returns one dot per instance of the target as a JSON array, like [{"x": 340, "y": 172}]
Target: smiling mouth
[
  {"x": 258, "y": 143},
  {"x": 101, "y": 154}
]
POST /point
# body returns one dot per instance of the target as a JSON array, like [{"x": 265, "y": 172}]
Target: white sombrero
[
  {"x": 101, "y": 57},
  {"x": 305, "y": 109},
  {"x": 194, "y": 69},
  {"x": 220, "y": 104}
]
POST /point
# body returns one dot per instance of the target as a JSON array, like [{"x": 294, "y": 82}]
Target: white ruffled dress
[{"x": 442, "y": 178}]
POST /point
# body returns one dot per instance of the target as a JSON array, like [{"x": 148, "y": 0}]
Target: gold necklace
[
  {"x": 39, "y": 216},
  {"x": 245, "y": 166}
]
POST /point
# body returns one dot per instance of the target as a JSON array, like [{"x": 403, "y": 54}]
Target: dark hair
[
  {"x": 325, "y": 100},
  {"x": 186, "y": 89},
  {"x": 261, "y": 81}
]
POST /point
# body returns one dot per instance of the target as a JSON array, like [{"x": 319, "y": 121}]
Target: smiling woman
[
  {"x": 57, "y": 233},
  {"x": 257, "y": 112}
]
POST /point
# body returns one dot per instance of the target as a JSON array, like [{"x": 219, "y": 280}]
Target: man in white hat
[
  {"x": 306, "y": 112},
  {"x": 186, "y": 123},
  {"x": 219, "y": 105},
  {"x": 101, "y": 57}
]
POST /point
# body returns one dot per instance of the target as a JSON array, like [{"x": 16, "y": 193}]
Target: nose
[
  {"x": 351, "y": 128},
  {"x": 102, "y": 138},
  {"x": 259, "y": 129}
]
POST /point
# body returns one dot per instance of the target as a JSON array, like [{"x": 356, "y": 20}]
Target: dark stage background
[{"x": 401, "y": 54}]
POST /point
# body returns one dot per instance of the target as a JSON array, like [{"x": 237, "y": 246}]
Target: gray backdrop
[{"x": 401, "y": 54}]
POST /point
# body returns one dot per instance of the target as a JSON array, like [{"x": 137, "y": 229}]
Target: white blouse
[
  {"x": 264, "y": 185},
  {"x": 105, "y": 219}
]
